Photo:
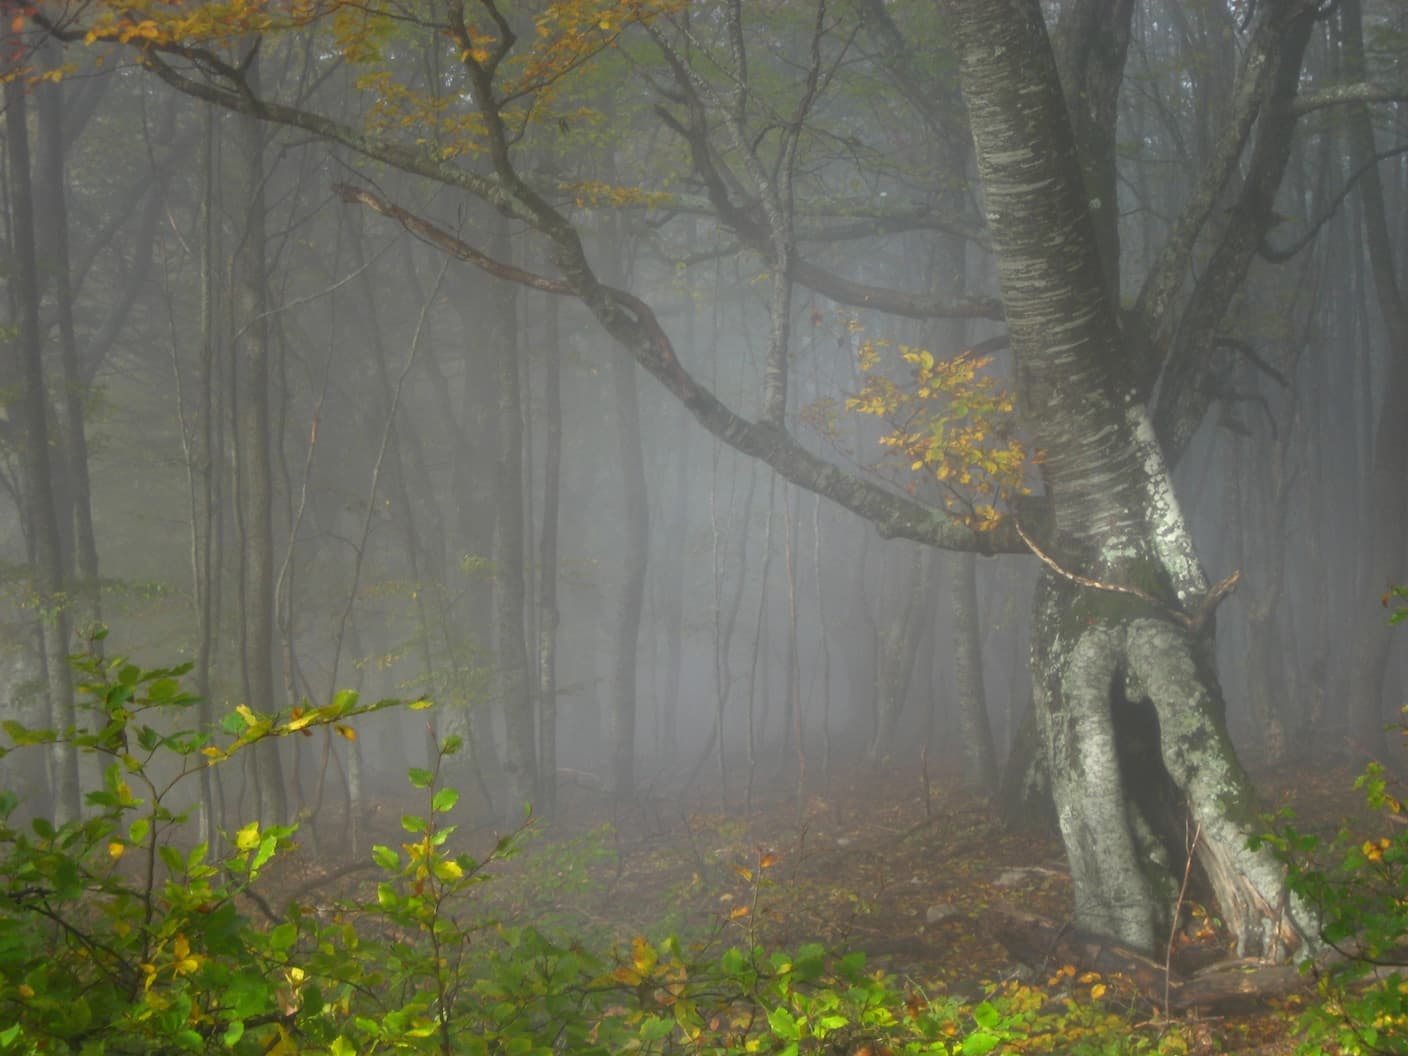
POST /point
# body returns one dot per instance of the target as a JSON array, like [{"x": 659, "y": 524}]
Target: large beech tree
[{"x": 1128, "y": 702}]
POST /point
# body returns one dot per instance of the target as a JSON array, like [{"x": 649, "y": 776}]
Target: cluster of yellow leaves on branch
[
  {"x": 187, "y": 23},
  {"x": 952, "y": 422},
  {"x": 559, "y": 38}
]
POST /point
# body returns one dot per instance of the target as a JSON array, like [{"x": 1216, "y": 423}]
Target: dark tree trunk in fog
[
  {"x": 510, "y": 650},
  {"x": 1384, "y": 559},
  {"x": 31, "y": 412},
  {"x": 670, "y": 576},
  {"x": 758, "y": 682},
  {"x": 547, "y": 563},
  {"x": 254, "y": 459},
  {"x": 76, "y": 514},
  {"x": 980, "y": 757},
  {"x": 824, "y": 645},
  {"x": 792, "y": 724},
  {"x": 899, "y": 641},
  {"x": 633, "y": 543},
  {"x": 204, "y": 459}
]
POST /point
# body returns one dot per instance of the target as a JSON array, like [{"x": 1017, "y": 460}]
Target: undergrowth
[{"x": 120, "y": 932}]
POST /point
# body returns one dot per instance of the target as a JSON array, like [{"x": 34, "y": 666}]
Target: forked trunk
[{"x": 1126, "y": 695}]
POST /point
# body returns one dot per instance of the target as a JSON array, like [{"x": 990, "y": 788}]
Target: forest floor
[{"x": 914, "y": 881}]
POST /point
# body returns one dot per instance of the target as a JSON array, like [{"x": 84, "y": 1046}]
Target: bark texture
[{"x": 1127, "y": 700}]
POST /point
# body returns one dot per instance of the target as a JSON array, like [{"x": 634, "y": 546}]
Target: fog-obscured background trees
[{"x": 253, "y": 426}]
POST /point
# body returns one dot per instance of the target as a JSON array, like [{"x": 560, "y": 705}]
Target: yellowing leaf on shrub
[
  {"x": 447, "y": 870},
  {"x": 248, "y": 837},
  {"x": 1097, "y": 991},
  {"x": 116, "y": 849},
  {"x": 347, "y": 733},
  {"x": 643, "y": 955},
  {"x": 737, "y": 911}
]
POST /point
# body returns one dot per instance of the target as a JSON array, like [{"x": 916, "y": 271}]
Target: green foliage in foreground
[
  {"x": 121, "y": 933},
  {"x": 1359, "y": 884}
]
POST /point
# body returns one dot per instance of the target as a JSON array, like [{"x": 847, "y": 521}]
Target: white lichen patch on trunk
[
  {"x": 1073, "y": 692},
  {"x": 1168, "y": 531},
  {"x": 1250, "y": 885}
]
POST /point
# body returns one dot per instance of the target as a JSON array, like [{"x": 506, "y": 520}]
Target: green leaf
[
  {"x": 385, "y": 857},
  {"x": 266, "y": 851},
  {"x": 444, "y": 800},
  {"x": 233, "y": 1033},
  {"x": 655, "y": 1028},
  {"x": 411, "y": 823},
  {"x": 163, "y": 690},
  {"x": 283, "y": 936},
  {"x": 986, "y": 1015},
  {"x": 979, "y": 1044},
  {"x": 783, "y": 1024},
  {"x": 138, "y": 832},
  {"x": 386, "y": 896},
  {"x": 420, "y": 778}
]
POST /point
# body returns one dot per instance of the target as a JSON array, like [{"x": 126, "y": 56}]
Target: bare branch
[
  {"x": 632, "y": 322},
  {"x": 1347, "y": 95}
]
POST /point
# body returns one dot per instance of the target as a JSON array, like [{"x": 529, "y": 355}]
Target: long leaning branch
[{"x": 632, "y": 322}]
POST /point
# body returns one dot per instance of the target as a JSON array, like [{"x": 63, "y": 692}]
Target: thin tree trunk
[
  {"x": 51, "y": 609},
  {"x": 255, "y": 461},
  {"x": 825, "y": 646},
  {"x": 547, "y": 563},
  {"x": 84, "y": 554},
  {"x": 759, "y": 652},
  {"x": 899, "y": 645},
  {"x": 980, "y": 757},
  {"x": 510, "y": 650}
]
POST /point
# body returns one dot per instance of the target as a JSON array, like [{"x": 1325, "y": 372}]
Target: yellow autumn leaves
[
  {"x": 375, "y": 38},
  {"x": 182, "y": 962},
  {"x": 951, "y": 421}
]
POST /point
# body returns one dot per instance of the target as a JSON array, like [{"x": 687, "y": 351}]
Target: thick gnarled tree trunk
[{"x": 1126, "y": 695}]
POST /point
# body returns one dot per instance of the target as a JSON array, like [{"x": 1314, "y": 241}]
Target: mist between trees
[{"x": 691, "y": 400}]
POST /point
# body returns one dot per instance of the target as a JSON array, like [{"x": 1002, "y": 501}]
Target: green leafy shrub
[
  {"x": 118, "y": 932},
  {"x": 1358, "y": 883},
  {"x": 1397, "y": 599},
  {"x": 122, "y": 934}
]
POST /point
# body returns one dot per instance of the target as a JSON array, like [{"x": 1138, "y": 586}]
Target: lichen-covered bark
[
  {"x": 1113, "y": 634},
  {"x": 1075, "y": 674},
  {"x": 1170, "y": 668}
]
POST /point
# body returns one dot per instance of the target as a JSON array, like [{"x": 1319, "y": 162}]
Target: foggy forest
[{"x": 704, "y": 526}]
